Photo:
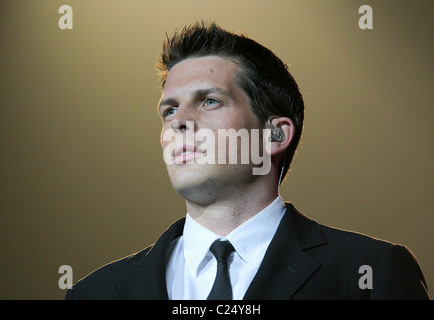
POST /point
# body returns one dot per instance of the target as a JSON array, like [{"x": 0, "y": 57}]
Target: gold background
[{"x": 82, "y": 181}]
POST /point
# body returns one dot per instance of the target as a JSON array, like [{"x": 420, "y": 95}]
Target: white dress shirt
[{"x": 191, "y": 268}]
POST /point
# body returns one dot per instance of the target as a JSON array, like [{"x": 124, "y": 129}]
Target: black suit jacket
[{"x": 305, "y": 260}]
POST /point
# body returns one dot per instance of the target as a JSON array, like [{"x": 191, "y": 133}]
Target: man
[{"x": 239, "y": 240}]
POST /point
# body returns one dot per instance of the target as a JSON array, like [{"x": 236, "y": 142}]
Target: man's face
[{"x": 201, "y": 93}]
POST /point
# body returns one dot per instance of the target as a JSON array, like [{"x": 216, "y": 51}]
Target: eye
[
  {"x": 171, "y": 111},
  {"x": 210, "y": 102}
]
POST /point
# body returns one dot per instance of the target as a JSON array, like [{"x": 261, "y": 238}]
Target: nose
[{"x": 182, "y": 120}]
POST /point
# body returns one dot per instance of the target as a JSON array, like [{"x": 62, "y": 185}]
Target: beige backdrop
[{"x": 82, "y": 181}]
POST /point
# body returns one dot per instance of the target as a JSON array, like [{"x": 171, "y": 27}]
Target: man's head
[{"x": 260, "y": 75}]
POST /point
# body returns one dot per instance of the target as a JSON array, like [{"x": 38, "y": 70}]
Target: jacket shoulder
[
  {"x": 396, "y": 271},
  {"x": 100, "y": 284},
  {"x": 351, "y": 248},
  {"x": 351, "y": 239}
]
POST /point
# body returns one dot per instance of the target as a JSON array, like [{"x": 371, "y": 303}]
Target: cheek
[
  {"x": 227, "y": 120},
  {"x": 162, "y": 143},
  {"x": 166, "y": 137},
  {"x": 241, "y": 121}
]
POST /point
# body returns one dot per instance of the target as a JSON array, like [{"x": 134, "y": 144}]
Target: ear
[{"x": 285, "y": 124}]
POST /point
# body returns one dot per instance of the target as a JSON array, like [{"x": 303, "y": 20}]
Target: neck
[{"x": 227, "y": 213}]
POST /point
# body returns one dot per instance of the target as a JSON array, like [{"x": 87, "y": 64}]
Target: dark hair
[{"x": 264, "y": 78}]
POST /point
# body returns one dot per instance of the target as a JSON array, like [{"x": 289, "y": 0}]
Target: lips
[{"x": 186, "y": 153}]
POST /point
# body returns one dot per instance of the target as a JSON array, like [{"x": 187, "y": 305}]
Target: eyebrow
[{"x": 197, "y": 94}]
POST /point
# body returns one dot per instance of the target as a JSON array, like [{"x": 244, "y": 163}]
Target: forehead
[{"x": 201, "y": 71}]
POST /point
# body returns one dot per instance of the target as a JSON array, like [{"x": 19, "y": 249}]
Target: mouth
[{"x": 186, "y": 154}]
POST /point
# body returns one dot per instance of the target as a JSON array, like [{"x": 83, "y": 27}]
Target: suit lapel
[
  {"x": 286, "y": 265},
  {"x": 285, "y": 268},
  {"x": 148, "y": 280}
]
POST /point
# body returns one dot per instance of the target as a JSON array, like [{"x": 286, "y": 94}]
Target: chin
[
  {"x": 202, "y": 183},
  {"x": 199, "y": 192},
  {"x": 189, "y": 178}
]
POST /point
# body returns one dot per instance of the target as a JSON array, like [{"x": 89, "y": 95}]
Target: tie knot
[{"x": 221, "y": 250}]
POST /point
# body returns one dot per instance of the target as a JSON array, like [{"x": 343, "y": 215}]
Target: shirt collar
[
  {"x": 197, "y": 241},
  {"x": 250, "y": 240}
]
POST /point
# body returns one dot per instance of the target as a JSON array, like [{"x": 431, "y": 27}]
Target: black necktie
[{"x": 222, "y": 289}]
